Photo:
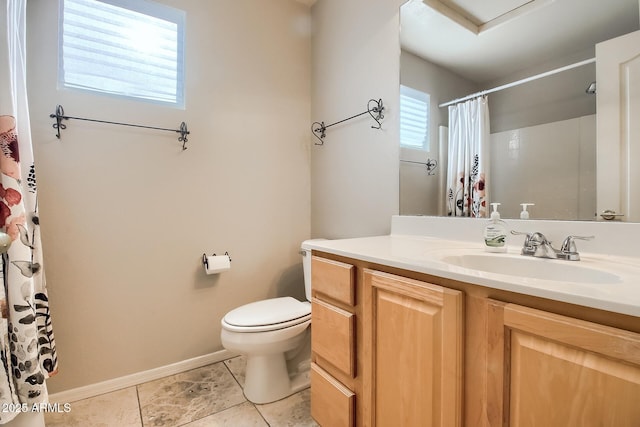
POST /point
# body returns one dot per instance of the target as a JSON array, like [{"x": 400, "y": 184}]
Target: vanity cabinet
[
  {"x": 393, "y": 347},
  {"x": 552, "y": 370},
  {"x": 386, "y": 349}
]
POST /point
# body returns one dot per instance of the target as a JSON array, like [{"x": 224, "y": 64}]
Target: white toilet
[{"x": 275, "y": 336}]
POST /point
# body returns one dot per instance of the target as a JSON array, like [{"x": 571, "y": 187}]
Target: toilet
[{"x": 275, "y": 336}]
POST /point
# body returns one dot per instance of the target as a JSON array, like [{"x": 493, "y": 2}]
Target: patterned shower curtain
[
  {"x": 468, "y": 164},
  {"x": 27, "y": 346}
]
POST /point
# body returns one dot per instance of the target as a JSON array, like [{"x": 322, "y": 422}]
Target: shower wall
[{"x": 552, "y": 165}]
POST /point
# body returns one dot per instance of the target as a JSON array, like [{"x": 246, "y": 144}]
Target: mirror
[{"x": 543, "y": 132}]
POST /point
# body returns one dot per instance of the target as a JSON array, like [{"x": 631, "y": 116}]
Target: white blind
[
  {"x": 130, "y": 48},
  {"x": 414, "y": 118}
]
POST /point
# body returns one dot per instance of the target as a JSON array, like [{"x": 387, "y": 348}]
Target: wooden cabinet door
[
  {"x": 412, "y": 352},
  {"x": 551, "y": 370}
]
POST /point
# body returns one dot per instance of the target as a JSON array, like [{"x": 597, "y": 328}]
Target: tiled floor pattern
[{"x": 203, "y": 397}]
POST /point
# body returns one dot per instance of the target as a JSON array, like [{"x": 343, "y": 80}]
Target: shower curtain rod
[{"x": 519, "y": 82}]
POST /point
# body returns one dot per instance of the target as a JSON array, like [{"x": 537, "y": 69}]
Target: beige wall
[
  {"x": 126, "y": 215},
  {"x": 440, "y": 83},
  {"x": 354, "y": 175}
]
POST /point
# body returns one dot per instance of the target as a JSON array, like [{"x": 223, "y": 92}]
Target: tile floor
[{"x": 203, "y": 397}]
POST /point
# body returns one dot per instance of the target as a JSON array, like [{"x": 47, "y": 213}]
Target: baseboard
[{"x": 96, "y": 389}]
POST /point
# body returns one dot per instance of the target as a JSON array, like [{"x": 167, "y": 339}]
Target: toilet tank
[{"x": 306, "y": 266}]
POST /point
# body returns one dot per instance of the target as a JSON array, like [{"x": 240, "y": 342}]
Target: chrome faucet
[{"x": 537, "y": 245}]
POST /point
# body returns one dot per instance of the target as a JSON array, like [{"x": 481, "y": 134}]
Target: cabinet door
[
  {"x": 551, "y": 370},
  {"x": 412, "y": 352}
]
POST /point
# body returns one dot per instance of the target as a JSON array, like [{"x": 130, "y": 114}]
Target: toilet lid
[{"x": 268, "y": 312}]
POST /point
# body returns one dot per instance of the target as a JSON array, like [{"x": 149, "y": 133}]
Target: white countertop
[{"x": 422, "y": 253}]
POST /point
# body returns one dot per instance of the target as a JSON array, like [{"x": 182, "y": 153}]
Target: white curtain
[
  {"x": 27, "y": 346},
  {"x": 468, "y": 158}
]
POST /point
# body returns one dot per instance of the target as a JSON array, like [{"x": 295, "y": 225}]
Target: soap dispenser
[
  {"x": 495, "y": 233},
  {"x": 524, "y": 214}
]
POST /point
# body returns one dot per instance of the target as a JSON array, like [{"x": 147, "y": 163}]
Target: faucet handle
[
  {"x": 569, "y": 246},
  {"x": 522, "y": 233},
  {"x": 533, "y": 238},
  {"x": 539, "y": 239}
]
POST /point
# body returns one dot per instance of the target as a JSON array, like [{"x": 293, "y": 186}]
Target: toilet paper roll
[{"x": 217, "y": 264}]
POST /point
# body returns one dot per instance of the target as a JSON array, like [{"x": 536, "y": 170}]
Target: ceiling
[{"x": 489, "y": 39}]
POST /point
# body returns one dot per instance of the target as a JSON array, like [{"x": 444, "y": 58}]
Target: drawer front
[
  {"x": 333, "y": 279},
  {"x": 332, "y": 404},
  {"x": 333, "y": 336}
]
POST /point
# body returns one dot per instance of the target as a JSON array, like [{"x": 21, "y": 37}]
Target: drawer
[
  {"x": 332, "y": 404},
  {"x": 333, "y": 279},
  {"x": 333, "y": 336}
]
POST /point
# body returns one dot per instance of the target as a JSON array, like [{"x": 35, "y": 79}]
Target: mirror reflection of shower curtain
[
  {"x": 468, "y": 163},
  {"x": 443, "y": 159}
]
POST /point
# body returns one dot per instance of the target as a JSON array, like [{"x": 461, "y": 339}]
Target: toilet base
[{"x": 267, "y": 379}]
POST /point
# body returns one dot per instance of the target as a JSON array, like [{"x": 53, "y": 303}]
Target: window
[
  {"x": 129, "y": 48},
  {"x": 414, "y": 119}
]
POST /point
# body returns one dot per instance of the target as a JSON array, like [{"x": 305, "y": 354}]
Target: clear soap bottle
[
  {"x": 525, "y": 214},
  {"x": 495, "y": 233}
]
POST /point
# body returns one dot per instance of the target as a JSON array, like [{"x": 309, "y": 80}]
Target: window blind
[
  {"x": 132, "y": 49},
  {"x": 414, "y": 118}
]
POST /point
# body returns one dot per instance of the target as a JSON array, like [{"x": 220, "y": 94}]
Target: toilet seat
[{"x": 267, "y": 315}]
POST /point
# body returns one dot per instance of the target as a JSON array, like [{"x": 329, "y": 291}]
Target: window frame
[{"x": 149, "y": 8}]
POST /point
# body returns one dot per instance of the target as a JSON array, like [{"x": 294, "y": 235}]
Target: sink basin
[{"x": 534, "y": 268}]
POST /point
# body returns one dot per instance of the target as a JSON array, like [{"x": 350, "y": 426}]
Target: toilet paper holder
[{"x": 205, "y": 262}]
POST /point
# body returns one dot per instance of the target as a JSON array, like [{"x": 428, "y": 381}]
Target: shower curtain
[
  {"x": 468, "y": 161},
  {"x": 27, "y": 346}
]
